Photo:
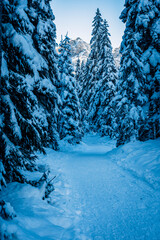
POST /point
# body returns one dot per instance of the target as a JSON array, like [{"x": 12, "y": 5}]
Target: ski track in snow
[{"x": 94, "y": 199}]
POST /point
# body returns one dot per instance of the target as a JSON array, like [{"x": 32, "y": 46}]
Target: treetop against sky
[{"x": 75, "y": 17}]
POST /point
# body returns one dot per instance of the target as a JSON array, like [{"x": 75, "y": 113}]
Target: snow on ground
[
  {"x": 141, "y": 159},
  {"x": 101, "y": 193}
]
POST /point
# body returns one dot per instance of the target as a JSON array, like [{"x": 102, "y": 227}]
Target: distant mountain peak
[
  {"x": 78, "y": 39},
  {"x": 81, "y": 49}
]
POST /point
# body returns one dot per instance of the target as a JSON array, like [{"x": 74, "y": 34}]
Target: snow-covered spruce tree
[
  {"x": 78, "y": 70},
  {"x": 2, "y": 171},
  {"x": 82, "y": 77},
  {"x": 131, "y": 95},
  {"x": 24, "y": 119},
  {"x": 142, "y": 20},
  {"x": 82, "y": 70},
  {"x": 82, "y": 80},
  {"x": 46, "y": 87},
  {"x": 70, "y": 126},
  {"x": 78, "y": 77},
  {"x": 2, "y": 176},
  {"x": 147, "y": 28},
  {"x": 91, "y": 76},
  {"x": 19, "y": 135},
  {"x": 102, "y": 109}
]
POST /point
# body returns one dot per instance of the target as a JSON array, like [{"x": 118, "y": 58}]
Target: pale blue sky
[{"x": 76, "y": 16}]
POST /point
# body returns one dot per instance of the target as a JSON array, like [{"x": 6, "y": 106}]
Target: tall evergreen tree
[
  {"x": 2, "y": 171},
  {"x": 140, "y": 46},
  {"x": 101, "y": 109},
  {"x": 82, "y": 70},
  {"x": 46, "y": 88},
  {"x": 131, "y": 97},
  {"x": 78, "y": 70},
  {"x": 70, "y": 126},
  {"x": 78, "y": 77},
  {"x": 147, "y": 25},
  {"x": 91, "y": 76},
  {"x": 25, "y": 120},
  {"x": 81, "y": 79},
  {"x": 81, "y": 89}
]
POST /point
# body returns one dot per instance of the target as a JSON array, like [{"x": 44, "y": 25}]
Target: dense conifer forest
[{"x": 44, "y": 101}]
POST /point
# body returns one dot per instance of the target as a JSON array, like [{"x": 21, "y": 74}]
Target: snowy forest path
[{"x": 110, "y": 201}]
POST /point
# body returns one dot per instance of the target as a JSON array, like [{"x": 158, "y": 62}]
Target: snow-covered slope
[{"x": 142, "y": 159}]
